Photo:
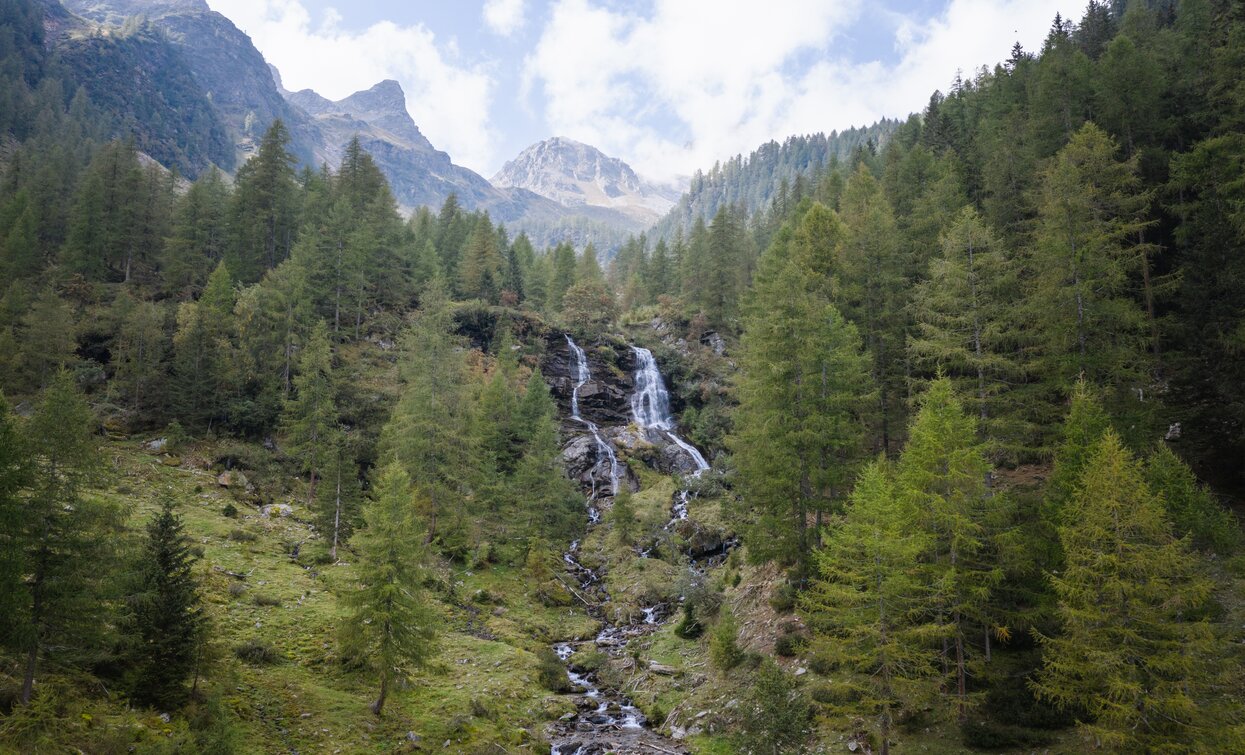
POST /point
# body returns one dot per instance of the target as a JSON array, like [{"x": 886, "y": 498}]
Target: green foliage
[
  {"x": 1126, "y": 655},
  {"x": 776, "y": 713},
  {"x": 1191, "y": 506},
  {"x": 551, "y": 672},
  {"x": 166, "y": 625},
  {"x": 870, "y": 615},
  {"x": 724, "y": 650},
  {"x": 392, "y": 626}
]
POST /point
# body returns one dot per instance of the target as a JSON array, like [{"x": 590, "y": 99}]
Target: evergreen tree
[
  {"x": 166, "y": 621},
  {"x": 1126, "y": 655},
  {"x": 199, "y": 236},
  {"x": 480, "y": 272},
  {"x": 547, "y": 499},
  {"x": 427, "y": 432},
  {"x": 1191, "y": 506},
  {"x": 872, "y": 278},
  {"x": 139, "y": 352},
  {"x": 48, "y": 340},
  {"x": 867, "y": 606},
  {"x": 964, "y": 327},
  {"x": 562, "y": 275},
  {"x": 263, "y": 219},
  {"x": 391, "y": 623},
  {"x": 203, "y": 364}
]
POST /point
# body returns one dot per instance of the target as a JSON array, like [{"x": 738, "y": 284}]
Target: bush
[
  {"x": 834, "y": 693},
  {"x": 775, "y": 714},
  {"x": 236, "y": 589},
  {"x": 688, "y": 627},
  {"x": 257, "y": 653},
  {"x": 789, "y": 645},
  {"x": 241, "y": 536},
  {"x": 230, "y": 511},
  {"x": 724, "y": 650},
  {"x": 783, "y": 599},
  {"x": 267, "y": 600},
  {"x": 551, "y": 672}
]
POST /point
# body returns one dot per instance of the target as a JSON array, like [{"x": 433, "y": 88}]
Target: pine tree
[
  {"x": 480, "y": 272},
  {"x": 562, "y": 275},
  {"x": 868, "y": 604},
  {"x": 15, "y": 472},
  {"x": 166, "y": 622},
  {"x": 199, "y": 236},
  {"x": 203, "y": 363},
  {"x": 1085, "y": 425},
  {"x": 1191, "y": 506},
  {"x": 391, "y": 623},
  {"x": 1126, "y": 656},
  {"x": 309, "y": 419},
  {"x": 547, "y": 500},
  {"x": 48, "y": 340}
]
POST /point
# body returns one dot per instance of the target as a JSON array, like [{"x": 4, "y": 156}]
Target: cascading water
[
  {"x": 607, "y": 722},
  {"x": 604, "y": 450},
  {"x": 650, "y": 405}
]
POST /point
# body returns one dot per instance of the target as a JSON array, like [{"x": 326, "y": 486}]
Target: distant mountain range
[{"x": 193, "y": 91}]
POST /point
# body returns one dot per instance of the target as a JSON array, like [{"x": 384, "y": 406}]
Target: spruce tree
[
  {"x": 1127, "y": 655},
  {"x": 391, "y": 624},
  {"x": 166, "y": 623},
  {"x": 868, "y": 605},
  {"x": 49, "y": 340},
  {"x": 263, "y": 218},
  {"x": 139, "y": 351}
]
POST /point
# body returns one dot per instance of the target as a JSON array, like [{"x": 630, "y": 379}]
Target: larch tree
[
  {"x": 309, "y": 418},
  {"x": 1128, "y": 654},
  {"x": 867, "y": 604},
  {"x": 943, "y": 470},
  {"x": 392, "y": 624},
  {"x": 964, "y": 327},
  {"x": 798, "y": 430},
  {"x": 64, "y": 538},
  {"x": 1088, "y": 322}
]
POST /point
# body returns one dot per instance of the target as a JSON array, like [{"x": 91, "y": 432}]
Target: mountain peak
[
  {"x": 384, "y": 98},
  {"x": 575, "y": 174}
]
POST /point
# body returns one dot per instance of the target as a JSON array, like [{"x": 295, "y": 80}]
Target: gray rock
[
  {"x": 276, "y": 509},
  {"x": 156, "y": 445}
]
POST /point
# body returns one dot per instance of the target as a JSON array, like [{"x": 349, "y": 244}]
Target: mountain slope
[{"x": 755, "y": 180}]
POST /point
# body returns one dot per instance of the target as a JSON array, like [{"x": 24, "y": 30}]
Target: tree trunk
[
  {"x": 384, "y": 692},
  {"x": 337, "y": 516}
]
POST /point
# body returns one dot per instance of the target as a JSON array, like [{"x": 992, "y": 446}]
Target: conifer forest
[{"x": 925, "y": 436}]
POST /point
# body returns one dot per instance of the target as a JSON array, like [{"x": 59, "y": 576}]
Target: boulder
[
  {"x": 276, "y": 509},
  {"x": 156, "y": 445}
]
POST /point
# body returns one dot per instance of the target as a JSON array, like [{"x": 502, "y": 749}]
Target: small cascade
[
  {"x": 605, "y": 452},
  {"x": 650, "y": 407}
]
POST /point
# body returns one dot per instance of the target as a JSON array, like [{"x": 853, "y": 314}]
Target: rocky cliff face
[{"x": 576, "y": 175}]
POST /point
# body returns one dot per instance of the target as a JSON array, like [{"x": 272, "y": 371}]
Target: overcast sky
[{"x": 668, "y": 85}]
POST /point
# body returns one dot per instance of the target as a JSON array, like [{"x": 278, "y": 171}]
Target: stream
[{"x": 605, "y": 721}]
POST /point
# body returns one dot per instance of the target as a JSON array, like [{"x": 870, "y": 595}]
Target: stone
[
  {"x": 714, "y": 342},
  {"x": 156, "y": 445},
  {"x": 413, "y": 737},
  {"x": 276, "y": 509}
]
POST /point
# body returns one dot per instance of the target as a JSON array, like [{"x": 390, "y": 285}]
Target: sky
[{"x": 670, "y": 86}]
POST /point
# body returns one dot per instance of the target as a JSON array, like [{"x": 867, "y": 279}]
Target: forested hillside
[{"x": 927, "y": 440}]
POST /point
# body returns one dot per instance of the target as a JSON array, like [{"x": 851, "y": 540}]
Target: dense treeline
[{"x": 1042, "y": 266}]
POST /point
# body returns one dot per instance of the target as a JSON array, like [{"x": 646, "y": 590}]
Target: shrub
[
  {"x": 241, "y": 536},
  {"x": 267, "y": 600},
  {"x": 257, "y": 653},
  {"x": 230, "y": 511},
  {"x": 783, "y": 599},
  {"x": 551, "y": 672},
  {"x": 688, "y": 627},
  {"x": 834, "y": 693},
  {"x": 724, "y": 650},
  {"x": 789, "y": 644},
  {"x": 236, "y": 589}
]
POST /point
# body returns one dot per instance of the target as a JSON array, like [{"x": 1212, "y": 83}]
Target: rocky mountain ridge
[{"x": 575, "y": 174}]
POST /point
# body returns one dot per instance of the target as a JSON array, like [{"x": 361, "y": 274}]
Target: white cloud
[
  {"x": 726, "y": 76},
  {"x": 448, "y": 100},
  {"x": 504, "y": 17}
]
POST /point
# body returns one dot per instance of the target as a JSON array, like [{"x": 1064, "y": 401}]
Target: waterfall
[
  {"x": 650, "y": 405},
  {"x": 604, "y": 449}
]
